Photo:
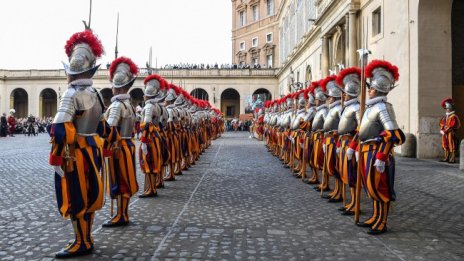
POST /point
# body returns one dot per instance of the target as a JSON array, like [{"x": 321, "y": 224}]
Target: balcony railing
[{"x": 167, "y": 73}]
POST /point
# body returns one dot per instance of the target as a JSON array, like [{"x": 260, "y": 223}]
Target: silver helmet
[
  {"x": 301, "y": 99},
  {"x": 350, "y": 79},
  {"x": 383, "y": 75},
  {"x": 333, "y": 90},
  {"x": 171, "y": 95},
  {"x": 123, "y": 72},
  {"x": 82, "y": 49},
  {"x": 152, "y": 85},
  {"x": 180, "y": 100},
  {"x": 289, "y": 101}
]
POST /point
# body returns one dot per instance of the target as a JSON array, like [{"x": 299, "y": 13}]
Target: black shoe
[
  {"x": 179, "y": 173},
  {"x": 82, "y": 251},
  {"x": 342, "y": 209},
  {"x": 150, "y": 195},
  {"x": 376, "y": 232},
  {"x": 348, "y": 213},
  {"x": 362, "y": 224},
  {"x": 325, "y": 196},
  {"x": 120, "y": 223},
  {"x": 318, "y": 189},
  {"x": 334, "y": 200}
]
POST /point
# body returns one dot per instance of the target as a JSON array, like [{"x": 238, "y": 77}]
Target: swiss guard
[
  {"x": 150, "y": 152},
  {"x": 331, "y": 138},
  {"x": 120, "y": 143},
  {"x": 77, "y": 153},
  {"x": 378, "y": 134},
  {"x": 449, "y": 124},
  {"x": 350, "y": 81}
]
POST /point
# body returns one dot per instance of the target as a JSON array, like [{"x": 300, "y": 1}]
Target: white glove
[
  {"x": 349, "y": 153},
  {"x": 357, "y": 156},
  {"x": 292, "y": 139},
  {"x": 380, "y": 165},
  {"x": 144, "y": 148},
  {"x": 338, "y": 150},
  {"x": 301, "y": 145},
  {"x": 324, "y": 148},
  {"x": 59, "y": 170},
  {"x": 442, "y": 132}
]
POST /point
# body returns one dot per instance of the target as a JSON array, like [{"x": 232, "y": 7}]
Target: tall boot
[
  {"x": 381, "y": 225},
  {"x": 375, "y": 215},
  {"x": 446, "y": 158},
  {"x": 159, "y": 180},
  {"x": 89, "y": 217},
  {"x": 150, "y": 186},
  {"x": 171, "y": 176},
  {"x": 81, "y": 245},
  {"x": 119, "y": 219},
  {"x": 452, "y": 157},
  {"x": 349, "y": 209}
]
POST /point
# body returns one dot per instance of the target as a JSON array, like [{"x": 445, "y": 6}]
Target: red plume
[
  {"x": 449, "y": 100},
  {"x": 87, "y": 37},
  {"x": 151, "y": 77},
  {"x": 345, "y": 72},
  {"x": 306, "y": 93},
  {"x": 133, "y": 68},
  {"x": 326, "y": 81},
  {"x": 378, "y": 63},
  {"x": 313, "y": 86}
]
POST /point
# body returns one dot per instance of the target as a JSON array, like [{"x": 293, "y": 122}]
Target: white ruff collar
[
  {"x": 348, "y": 103},
  {"x": 320, "y": 107},
  {"x": 449, "y": 113},
  {"x": 376, "y": 100},
  {"x": 333, "y": 104},
  {"x": 81, "y": 82}
]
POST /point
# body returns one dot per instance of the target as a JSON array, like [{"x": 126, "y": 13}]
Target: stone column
[
  {"x": 346, "y": 38},
  {"x": 352, "y": 39},
  {"x": 325, "y": 56}
]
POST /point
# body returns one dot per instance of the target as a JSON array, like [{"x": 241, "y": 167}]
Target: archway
[
  {"x": 230, "y": 103},
  {"x": 19, "y": 101},
  {"x": 308, "y": 76},
  {"x": 106, "y": 95},
  {"x": 260, "y": 94},
  {"x": 200, "y": 93},
  {"x": 136, "y": 97},
  {"x": 264, "y": 94},
  {"x": 47, "y": 103}
]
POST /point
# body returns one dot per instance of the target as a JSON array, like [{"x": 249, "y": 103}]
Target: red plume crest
[
  {"x": 345, "y": 72},
  {"x": 87, "y": 37},
  {"x": 133, "y": 68},
  {"x": 151, "y": 77},
  {"x": 378, "y": 63}
]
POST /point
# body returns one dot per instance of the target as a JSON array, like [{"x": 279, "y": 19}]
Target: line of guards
[
  {"x": 94, "y": 151},
  {"x": 319, "y": 128}
]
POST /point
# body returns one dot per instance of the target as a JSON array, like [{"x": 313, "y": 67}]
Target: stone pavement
[{"x": 236, "y": 203}]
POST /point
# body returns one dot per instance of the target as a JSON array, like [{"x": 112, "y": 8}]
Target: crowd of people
[
  {"x": 30, "y": 126},
  {"x": 202, "y": 66},
  {"x": 237, "y": 125}
]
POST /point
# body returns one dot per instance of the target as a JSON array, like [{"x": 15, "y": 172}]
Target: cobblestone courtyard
[{"x": 236, "y": 203}]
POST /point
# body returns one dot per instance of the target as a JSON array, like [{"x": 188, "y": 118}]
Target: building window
[
  {"x": 269, "y": 38},
  {"x": 254, "y": 42},
  {"x": 269, "y": 61},
  {"x": 270, "y": 7},
  {"x": 255, "y": 13},
  {"x": 377, "y": 22},
  {"x": 242, "y": 46},
  {"x": 255, "y": 61},
  {"x": 242, "y": 18}
]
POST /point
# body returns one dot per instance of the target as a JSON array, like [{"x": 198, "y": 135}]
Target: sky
[{"x": 33, "y": 33}]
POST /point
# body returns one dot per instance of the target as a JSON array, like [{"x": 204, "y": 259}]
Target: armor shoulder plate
[
  {"x": 113, "y": 113},
  {"x": 387, "y": 115},
  {"x": 85, "y": 98},
  {"x": 147, "y": 113},
  {"x": 67, "y": 108}
]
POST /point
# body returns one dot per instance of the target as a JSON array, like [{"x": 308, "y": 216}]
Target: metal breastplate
[
  {"x": 349, "y": 120},
  {"x": 87, "y": 101},
  {"x": 310, "y": 114},
  {"x": 377, "y": 118},
  {"x": 164, "y": 116},
  {"x": 301, "y": 115},
  {"x": 332, "y": 119},
  {"x": 319, "y": 118},
  {"x": 127, "y": 120}
]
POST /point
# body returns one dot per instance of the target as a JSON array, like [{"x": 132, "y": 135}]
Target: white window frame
[
  {"x": 270, "y": 7},
  {"x": 272, "y": 37},
  {"x": 242, "y": 46},
  {"x": 255, "y": 13},
  {"x": 242, "y": 18},
  {"x": 377, "y": 21},
  {"x": 270, "y": 60},
  {"x": 253, "y": 42}
]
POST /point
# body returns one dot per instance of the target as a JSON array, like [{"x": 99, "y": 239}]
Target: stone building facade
[
  {"x": 255, "y": 38},
  {"x": 422, "y": 37}
]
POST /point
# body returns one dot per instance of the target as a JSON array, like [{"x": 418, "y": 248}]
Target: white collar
[
  {"x": 81, "y": 82},
  {"x": 320, "y": 107},
  {"x": 375, "y": 100},
  {"x": 120, "y": 97},
  {"x": 449, "y": 113},
  {"x": 348, "y": 103},
  {"x": 333, "y": 104}
]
